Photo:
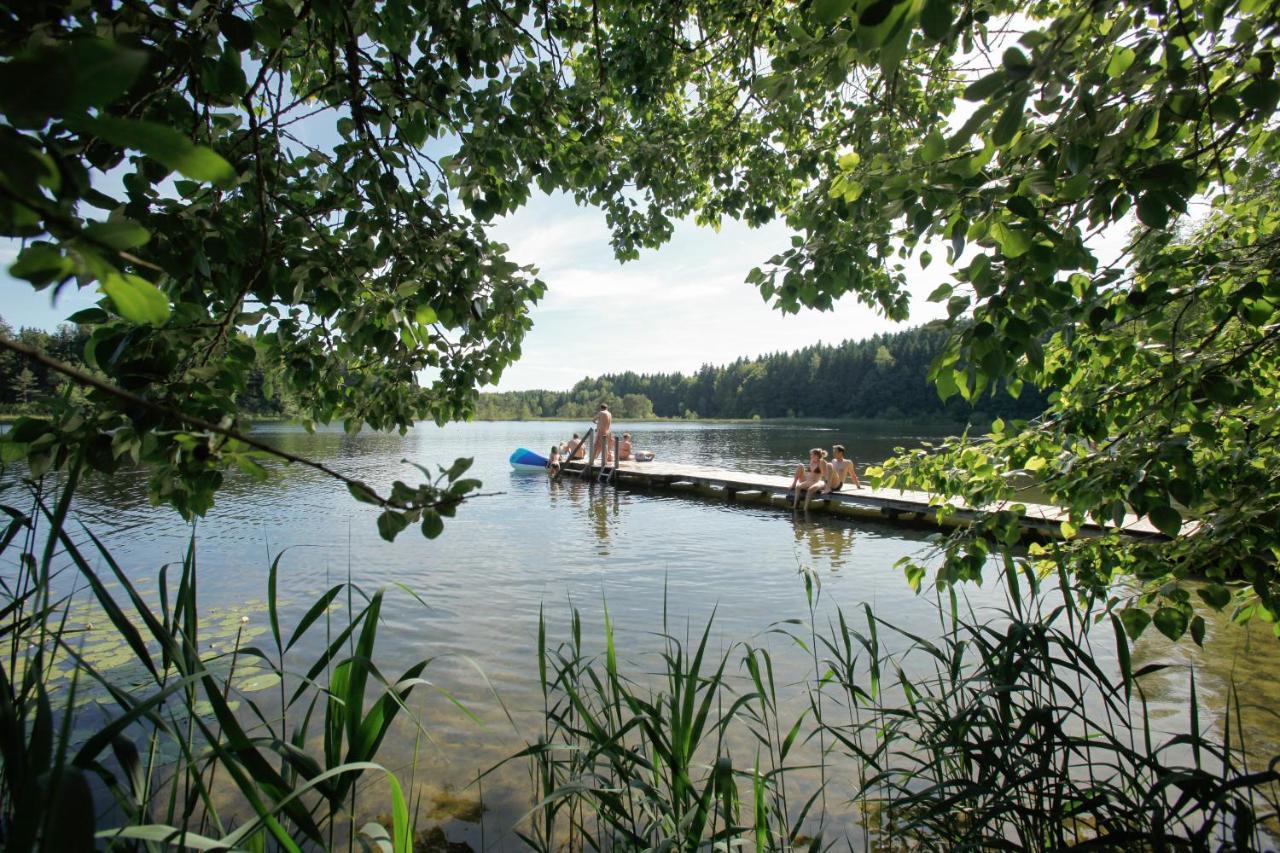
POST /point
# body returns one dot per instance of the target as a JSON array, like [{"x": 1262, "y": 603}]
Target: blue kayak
[{"x": 527, "y": 460}]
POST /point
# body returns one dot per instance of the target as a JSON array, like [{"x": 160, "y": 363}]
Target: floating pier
[{"x": 907, "y": 507}]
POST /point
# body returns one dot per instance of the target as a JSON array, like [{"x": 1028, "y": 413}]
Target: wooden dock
[{"x": 916, "y": 508}]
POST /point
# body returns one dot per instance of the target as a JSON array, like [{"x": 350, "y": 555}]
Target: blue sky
[{"x": 675, "y": 308}]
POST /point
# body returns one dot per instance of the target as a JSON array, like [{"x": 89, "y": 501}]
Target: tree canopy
[{"x": 1001, "y": 134}]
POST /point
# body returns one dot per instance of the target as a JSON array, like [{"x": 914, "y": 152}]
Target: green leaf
[
  {"x": 1171, "y": 621},
  {"x": 118, "y": 234},
  {"x": 42, "y": 264},
  {"x": 425, "y": 315},
  {"x": 1121, "y": 59},
  {"x": 830, "y": 11},
  {"x": 363, "y": 493},
  {"x": 459, "y": 467},
  {"x": 432, "y": 523},
  {"x": 163, "y": 144},
  {"x": 1166, "y": 519},
  {"x": 136, "y": 299},
  {"x": 1152, "y": 211},
  {"x": 876, "y": 13},
  {"x": 1010, "y": 121},
  {"x": 1135, "y": 621},
  {"x": 1197, "y": 630},
  {"x": 1013, "y": 242},
  {"x": 1016, "y": 63},
  {"x": 391, "y": 523},
  {"x": 946, "y": 384},
  {"x": 67, "y": 79},
  {"x": 250, "y": 466},
  {"x": 1215, "y": 595},
  {"x": 933, "y": 147},
  {"x": 984, "y": 88},
  {"x": 1262, "y": 96},
  {"x": 936, "y": 18}
]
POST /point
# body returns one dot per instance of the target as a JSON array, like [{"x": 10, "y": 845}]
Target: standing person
[
  {"x": 604, "y": 432},
  {"x": 553, "y": 461},
  {"x": 841, "y": 469}
]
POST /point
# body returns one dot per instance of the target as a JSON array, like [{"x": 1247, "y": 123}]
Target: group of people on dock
[
  {"x": 822, "y": 475},
  {"x": 575, "y": 447}
]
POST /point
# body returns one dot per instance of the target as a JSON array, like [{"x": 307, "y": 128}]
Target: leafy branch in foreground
[
  {"x": 1055, "y": 154},
  {"x": 45, "y": 444}
]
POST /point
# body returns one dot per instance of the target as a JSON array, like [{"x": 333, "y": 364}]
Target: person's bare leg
[{"x": 809, "y": 492}]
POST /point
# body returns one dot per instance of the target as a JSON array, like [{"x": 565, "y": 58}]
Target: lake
[{"x": 541, "y": 547}]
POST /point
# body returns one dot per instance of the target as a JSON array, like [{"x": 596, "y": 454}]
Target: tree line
[
  {"x": 881, "y": 377},
  {"x": 28, "y": 386}
]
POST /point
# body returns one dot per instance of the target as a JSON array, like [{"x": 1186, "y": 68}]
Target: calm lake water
[{"x": 549, "y": 547}]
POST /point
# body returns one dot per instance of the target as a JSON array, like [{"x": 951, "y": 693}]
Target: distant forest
[
  {"x": 27, "y": 386},
  {"x": 883, "y": 377}
]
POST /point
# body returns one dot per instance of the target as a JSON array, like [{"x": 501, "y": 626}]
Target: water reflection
[
  {"x": 822, "y": 541},
  {"x": 596, "y": 507},
  {"x": 1235, "y": 673}
]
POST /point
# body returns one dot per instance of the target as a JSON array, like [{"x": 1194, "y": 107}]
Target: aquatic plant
[
  {"x": 1010, "y": 731},
  {"x": 197, "y": 735}
]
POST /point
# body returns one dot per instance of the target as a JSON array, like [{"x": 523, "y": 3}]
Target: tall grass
[
  {"x": 1010, "y": 730},
  {"x": 194, "y": 749}
]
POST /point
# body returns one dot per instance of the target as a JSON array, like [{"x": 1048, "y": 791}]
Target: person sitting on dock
[
  {"x": 627, "y": 453},
  {"x": 811, "y": 479},
  {"x": 573, "y": 448},
  {"x": 839, "y": 470},
  {"x": 553, "y": 461},
  {"x": 604, "y": 435}
]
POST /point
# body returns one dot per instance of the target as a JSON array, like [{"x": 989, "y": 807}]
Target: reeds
[
  {"x": 1007, "y": 731},
  {"x": 193, "y": 748}
]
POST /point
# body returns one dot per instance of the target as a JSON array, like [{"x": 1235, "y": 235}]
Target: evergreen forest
[{"x": 881, "y": 377}]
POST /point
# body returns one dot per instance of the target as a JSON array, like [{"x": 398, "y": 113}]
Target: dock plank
[{"x": 889, "y": 502}]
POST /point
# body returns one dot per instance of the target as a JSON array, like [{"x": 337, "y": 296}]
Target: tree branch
[{"x": 83, "y": 378}]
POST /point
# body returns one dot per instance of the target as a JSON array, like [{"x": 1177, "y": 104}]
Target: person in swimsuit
[
  {"x": 839, "y": 470},
  {"x": 810, "y": 479},
  {"x": 604, "y": 435},
  {"x": 573, "y": 449},
  {"x": 624, "y": 449},
  {"x": 553, "y": 461}
]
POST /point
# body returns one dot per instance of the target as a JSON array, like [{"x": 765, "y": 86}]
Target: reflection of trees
[{"x": 1243, "y": 658}]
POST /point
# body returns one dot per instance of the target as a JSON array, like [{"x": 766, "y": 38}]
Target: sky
[{"x": 675, "y": 309}]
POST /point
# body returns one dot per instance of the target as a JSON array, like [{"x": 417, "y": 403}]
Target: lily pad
[{"x": 257, "y": 681}]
